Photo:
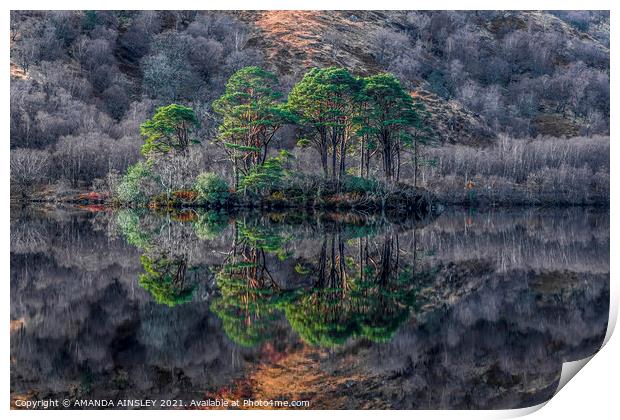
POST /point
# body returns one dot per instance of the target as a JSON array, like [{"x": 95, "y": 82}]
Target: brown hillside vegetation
[
  {"x": 17, "y": 72},
  {"x": 296, "y": 40}
]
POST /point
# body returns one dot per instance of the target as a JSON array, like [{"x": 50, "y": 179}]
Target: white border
[{"x": 594, "y": 394}]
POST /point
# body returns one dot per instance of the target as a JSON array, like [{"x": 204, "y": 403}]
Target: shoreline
[{"x": 26, "y": 202}]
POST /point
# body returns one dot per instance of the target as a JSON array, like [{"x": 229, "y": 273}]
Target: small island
[{"x": 356, "y": 127}]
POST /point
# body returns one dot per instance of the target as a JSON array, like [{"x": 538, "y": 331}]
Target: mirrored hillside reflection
[{"x": 462, "y": 310}]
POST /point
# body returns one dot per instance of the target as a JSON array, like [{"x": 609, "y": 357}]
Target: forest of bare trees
[{"x": 508, "y": 78}]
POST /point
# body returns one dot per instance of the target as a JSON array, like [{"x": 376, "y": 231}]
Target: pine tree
[
  {"x": 252, "y": 114},
  {"x": 169, "y": 130}
]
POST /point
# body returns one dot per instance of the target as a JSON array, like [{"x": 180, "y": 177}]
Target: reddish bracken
[
  {"x": 94, "y": 208},
  {"x": 185, "y": 216},
  {"x": 94, "y": 196},
  {"x": 185, "y": 195}
]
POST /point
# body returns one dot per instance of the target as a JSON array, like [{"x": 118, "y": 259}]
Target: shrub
[
  {"x": 360, "y": 185},
  {"x": 130, "y": 189},
  {"x": 211, "y": 188},
  {"x": 269, "y": 176}
]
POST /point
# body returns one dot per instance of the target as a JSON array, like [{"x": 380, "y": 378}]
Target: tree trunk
[
  {"x": 334, "y": 160},
  {"x": 235, "y": 173},
  {"x": 398, "y": 162},
  {"x": 324, "y": 162},
  {"x": 415, "y": 164},
  {"x": 388, "y": 170},
  {"x": 343, "y": 156},
  {"x": 362, "y": 155}
]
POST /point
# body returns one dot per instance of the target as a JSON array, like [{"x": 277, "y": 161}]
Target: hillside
[
  {"x": 82, "y": 82},
  {"x": 294, "y": 41}
]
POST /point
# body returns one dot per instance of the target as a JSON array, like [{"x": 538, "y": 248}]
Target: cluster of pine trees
[{"x": 334, "y": 112}]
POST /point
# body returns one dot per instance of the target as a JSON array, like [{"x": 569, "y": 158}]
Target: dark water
[{"x": 465, "y": 310}]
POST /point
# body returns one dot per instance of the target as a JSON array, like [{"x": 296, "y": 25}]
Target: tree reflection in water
[
  {"x": 376, "y": 312},
  {"x": 166, "y": 279},
  {"x": 356, "y": 285}
]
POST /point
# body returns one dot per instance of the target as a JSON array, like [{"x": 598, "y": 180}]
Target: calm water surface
[{"x": 464, "y": 310}]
